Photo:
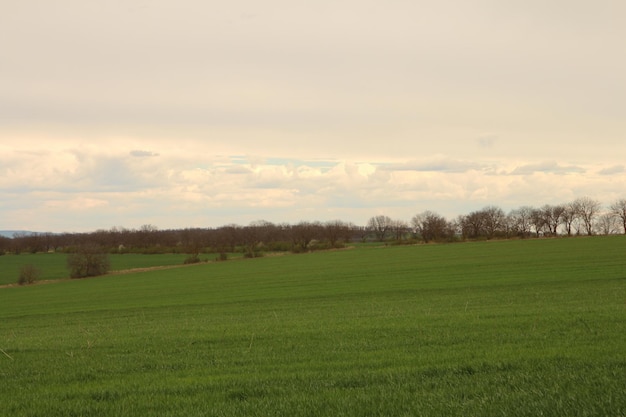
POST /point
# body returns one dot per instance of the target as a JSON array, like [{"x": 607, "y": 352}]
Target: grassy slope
[
  {"x": 494, "y": 328},
  {"x": 54, "y": 265}
]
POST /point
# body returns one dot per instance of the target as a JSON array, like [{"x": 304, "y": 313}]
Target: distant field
[
  {"x": 54, "y": 265},
  {"x": 521, "y": 328}
]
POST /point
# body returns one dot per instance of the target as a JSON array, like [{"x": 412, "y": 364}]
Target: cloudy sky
[{"x": 196, "y": 113}]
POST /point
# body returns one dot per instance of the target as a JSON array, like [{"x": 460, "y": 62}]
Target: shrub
[
  {"x": 88, "y": 261},
  {"x": 28, "y": 275}
]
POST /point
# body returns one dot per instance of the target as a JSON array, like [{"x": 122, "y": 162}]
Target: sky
[{"x": 199, "y": 113}]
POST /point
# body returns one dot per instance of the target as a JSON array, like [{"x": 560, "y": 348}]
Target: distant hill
[{"x": 9, "y": 233}]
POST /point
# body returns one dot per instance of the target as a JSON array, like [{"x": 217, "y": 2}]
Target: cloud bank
[{"x": 81, "y": 190}]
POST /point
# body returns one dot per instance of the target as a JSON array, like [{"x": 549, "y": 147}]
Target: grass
[
  {"x": 53, "y": 266},
  {"x": 521, "y": 328}
]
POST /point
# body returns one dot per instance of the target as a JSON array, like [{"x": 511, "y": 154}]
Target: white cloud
[{"x": 102, "y": 189}]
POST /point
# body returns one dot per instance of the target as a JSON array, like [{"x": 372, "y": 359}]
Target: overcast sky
[{"x": 195, "y": 113}]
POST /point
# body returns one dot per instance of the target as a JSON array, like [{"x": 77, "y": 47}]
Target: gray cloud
[
  {"x": 547, "y": 167},
  {"x": 142, "y": 154},
  {"x": 615, "y": 169},
  {"x": 438, "y": 165}
]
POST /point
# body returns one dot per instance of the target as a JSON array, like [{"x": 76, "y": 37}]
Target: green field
[
  {"x": 53, "y": 266},
  {"x": 509, "y": 328}
]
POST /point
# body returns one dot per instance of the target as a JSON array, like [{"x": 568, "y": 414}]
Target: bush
[
  {"x": 88, "y": 261},
  {"x": 28, "y": 275}
]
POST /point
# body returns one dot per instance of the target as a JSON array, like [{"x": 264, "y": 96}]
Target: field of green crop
[
  {"x": 53, "y": 266},
  {"x": 522, "y": 328}
]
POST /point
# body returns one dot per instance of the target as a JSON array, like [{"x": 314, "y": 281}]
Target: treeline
[
  {"x": 252, "y": 240},
  {"x": 581, "y": 216}
]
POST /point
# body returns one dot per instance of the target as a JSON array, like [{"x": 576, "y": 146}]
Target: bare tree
[
  {"x": 303, "y": 233},
  {"x": 618, "y": 208},
  {"x": 5, "y": 244},
  {"x": 147, "y": 235},
  {"x": 251, "y": 237},
  {"x": 361, "y": 233},
  {"x": 588, "y": 210},
  {"x": 225, "y": 238},
  {"x": 472, "y": 224},
  {"x": 569, "y": 216},
  {"x": 607, "y": 224},
  {"x": 380, "y": 225},
  {"x": 431, "y": 226},
  {"x": 552, "y": 216},
  {"x": 521, "y": 220},
  {"x": 28, "y": 242},
  {"x": 399, "y": 228},
  {"x": 336, "y": 231},
  {"x": 539, "y": 222},
  {"x": 495, "y": 220}
]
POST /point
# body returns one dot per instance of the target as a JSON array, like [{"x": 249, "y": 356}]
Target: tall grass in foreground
[{"x": 521, "y": 328}]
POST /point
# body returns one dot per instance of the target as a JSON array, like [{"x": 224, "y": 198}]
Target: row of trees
[
  {"x": 581, "y": 216},
  {"x": 252, "y": 239}
]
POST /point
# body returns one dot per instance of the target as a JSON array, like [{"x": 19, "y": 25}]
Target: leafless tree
[
  {"x": 552, "y": 217},
  {"x": 495, "y": 220},
  {"x": 252, "y": 236},
  {"x": 399, "y": 228},
  {"x": 361, "y": 233},
  {"x": 607, "y": 224},
  {"x": 29, "y": 242},
  {"x": 336, "y": 231},
  {"x": 431, "y": 226},
  {"x": 472, "y": 224},
  {"x": 147, "y": 235},
  {"x": 569, "y": 216},
  {"x": 380, "y": 225},
  {"x": 225, "y": 238},
  {"x": 5, "y": 244},
  {"x": 303, "y": 233},
  {"x": 618, "y": 208},
  {"x": 588, "y": 210},
  {"x": 539, "y": 222},
  {"x": 521, "y": 220}
]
